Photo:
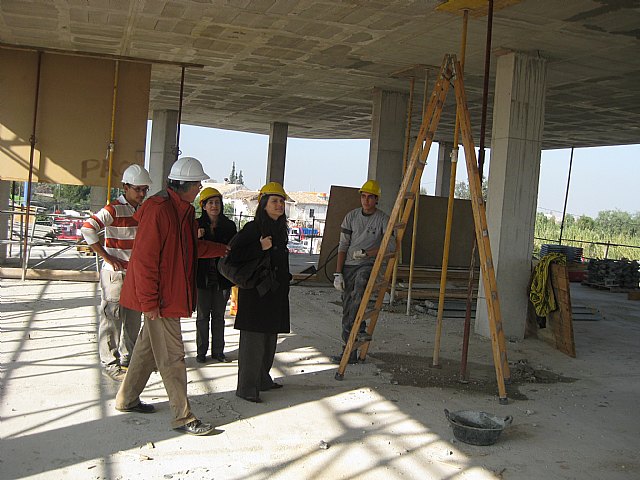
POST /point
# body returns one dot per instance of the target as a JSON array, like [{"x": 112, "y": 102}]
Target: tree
[
  {"x": 240, "y": 179},
  {"x": 586, "y": 223},
  {"x": 462, "y": 190},
  {"x": 75, "y": 197},
  {"x": 232, "y": 175}
]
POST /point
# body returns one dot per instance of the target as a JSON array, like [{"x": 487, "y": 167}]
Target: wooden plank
[
  {"x": 560, "y": 321},
  {"x": 47, "y": 274}
]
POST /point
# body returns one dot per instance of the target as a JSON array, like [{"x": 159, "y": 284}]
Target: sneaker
[
  {"x": 220, "y": 357},
  {"x": 201, "y": 358},
  {"x": 114, "y": 373},
  {"x": 196, "y": 427}
]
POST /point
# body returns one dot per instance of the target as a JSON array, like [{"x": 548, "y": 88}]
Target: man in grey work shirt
[{"x": 361, "y": 233}]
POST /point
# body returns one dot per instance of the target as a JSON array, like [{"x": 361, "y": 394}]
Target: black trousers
[
  {"x": 212, "y": 303},
  {"x": 255, "y": 359}
]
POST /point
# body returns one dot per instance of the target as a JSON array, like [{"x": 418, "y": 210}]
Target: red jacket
[{"x": 162, "y": 270}]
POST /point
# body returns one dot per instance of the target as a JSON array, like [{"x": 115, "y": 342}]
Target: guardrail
[{"x": 609, "y": 249}]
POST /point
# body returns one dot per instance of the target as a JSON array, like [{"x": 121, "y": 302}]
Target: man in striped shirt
[{"x": 119, "y": 326}]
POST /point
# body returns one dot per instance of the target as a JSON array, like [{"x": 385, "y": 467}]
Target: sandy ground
[{"x": 572, "y": 418}]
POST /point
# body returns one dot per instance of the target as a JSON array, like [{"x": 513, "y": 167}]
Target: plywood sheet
[
  {"x": 73, "y": 121},
  {"x": 430, "y": 235}
]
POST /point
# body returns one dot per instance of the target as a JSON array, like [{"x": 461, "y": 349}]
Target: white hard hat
[
  {"x": 187, "y": 169},
  {"x": 136, "y": 175}
]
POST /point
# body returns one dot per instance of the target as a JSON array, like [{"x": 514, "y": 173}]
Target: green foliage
[
  {"x": 462, "y": 190},
  {"x": 598, "y": 237},
  {"x": 74, "y": 197},
  {"x": 235, "y": 178},
  {"x": 232, "y": 175}
]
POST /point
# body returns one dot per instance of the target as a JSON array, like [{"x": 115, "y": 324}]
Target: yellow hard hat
[
  {"x": 372, "y": 187},
  {"x": 207, "y": 193},
  {"x": 273, "y": 188}
]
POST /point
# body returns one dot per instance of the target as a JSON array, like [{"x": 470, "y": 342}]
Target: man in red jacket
[{"x": 160, "y": 282}]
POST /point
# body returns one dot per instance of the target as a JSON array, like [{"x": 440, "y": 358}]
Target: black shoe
[
  {"x": 250, "y": 399},
  {"x": 201, "y": 359},
  {"x": 114, "y": 373},
  {"x": 141, "y": 407},
  {"x": 273, "y": 386},
  {"x": 220, "y": 357},
  {"x": 353, "y": 359},
  {"x": 196, "y": 427}
]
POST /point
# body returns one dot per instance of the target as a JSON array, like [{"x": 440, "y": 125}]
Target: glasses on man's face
[{"x": 137, "y": 189}]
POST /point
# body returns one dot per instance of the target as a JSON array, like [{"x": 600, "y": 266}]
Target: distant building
[{"x": 308, "y": 207}]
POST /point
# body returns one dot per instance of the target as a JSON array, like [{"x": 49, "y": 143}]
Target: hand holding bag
[{"x": 255, "y": 273}]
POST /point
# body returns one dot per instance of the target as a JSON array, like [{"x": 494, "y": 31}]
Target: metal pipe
[
  {"x": 566, "y": 196},
  {"x": 464, "y": 374},
  {"x": 13, "y": 209},
  {"x": 177, "y": 149},
  {"x": 112, "y": 140},
  {"x": 32, "y": 141},
  {"x": 447, "y": 233},
  {"x": 485, "y": 91},
  {"x": 416, "y": 209}
]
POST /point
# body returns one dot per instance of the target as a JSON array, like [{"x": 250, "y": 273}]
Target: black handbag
[{"x": 255, "y": 273}]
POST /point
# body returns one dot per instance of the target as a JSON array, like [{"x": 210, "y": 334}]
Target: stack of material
[
  {"x": 574, "y": 254},
  {"x": 613, "y": 273},
  {"x": 426, "y": 282}
]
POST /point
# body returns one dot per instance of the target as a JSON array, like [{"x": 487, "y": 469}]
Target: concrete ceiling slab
[{"x": 313, "y": 64}]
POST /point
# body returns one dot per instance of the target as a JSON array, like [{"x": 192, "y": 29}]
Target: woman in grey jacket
[{"x": 261, "y": 317}]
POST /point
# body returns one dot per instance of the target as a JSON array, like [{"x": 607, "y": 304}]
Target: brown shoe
[{"x": 114, "y": 373}]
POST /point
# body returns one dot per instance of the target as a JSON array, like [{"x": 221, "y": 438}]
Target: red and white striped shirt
[{"x": 119, "y": 229}]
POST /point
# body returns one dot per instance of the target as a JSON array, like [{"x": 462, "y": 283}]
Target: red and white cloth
[{"x": 116, "y": 219}]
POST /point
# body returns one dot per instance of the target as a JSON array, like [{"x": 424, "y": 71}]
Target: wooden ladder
[{"x": 450, "y": 73}]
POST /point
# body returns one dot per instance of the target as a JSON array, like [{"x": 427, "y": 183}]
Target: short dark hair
[{"x": 180, "y": 186}]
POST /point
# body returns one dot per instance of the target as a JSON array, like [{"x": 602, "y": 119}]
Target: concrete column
[
  {"x": 277, "y": 152},
  {"x": 164, "y": 128},
  {"x": 5, "y": 218},
  {"x": 98, "y": 198},
  {"x": 388, "y": 122},
  {"x": 518, "y": 121},
  {"x": 443, "y": 172}
]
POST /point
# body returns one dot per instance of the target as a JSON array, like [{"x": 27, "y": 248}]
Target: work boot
[
  {"x": 353, "y": 358},
  {"x": 196, "y": 427},
  {"x": 363, "y": 337}
]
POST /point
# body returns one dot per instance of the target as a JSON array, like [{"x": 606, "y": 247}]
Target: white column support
[
  {"x": 162, "y": 154},
  {"x": 518, "y": 121},
  {"x": 443, "y": 172},
  {"x": 277, "y": 152},
  {"x": 388, "y": 122}
]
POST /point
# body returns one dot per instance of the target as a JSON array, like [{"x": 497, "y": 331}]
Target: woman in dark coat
[
  {"x": 261, "y": 318},
  {"x": 213, "y": 288}
]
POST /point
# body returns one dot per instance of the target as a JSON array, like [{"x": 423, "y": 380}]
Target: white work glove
[
  {"x": 359, "y": 254},
  {"x": 338, "y": 282}
]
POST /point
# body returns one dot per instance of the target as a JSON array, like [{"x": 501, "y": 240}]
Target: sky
[{"x": 602, "y": 178}]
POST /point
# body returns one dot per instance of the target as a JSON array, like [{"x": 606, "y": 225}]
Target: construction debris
[{"x": 613, "y": 274}]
